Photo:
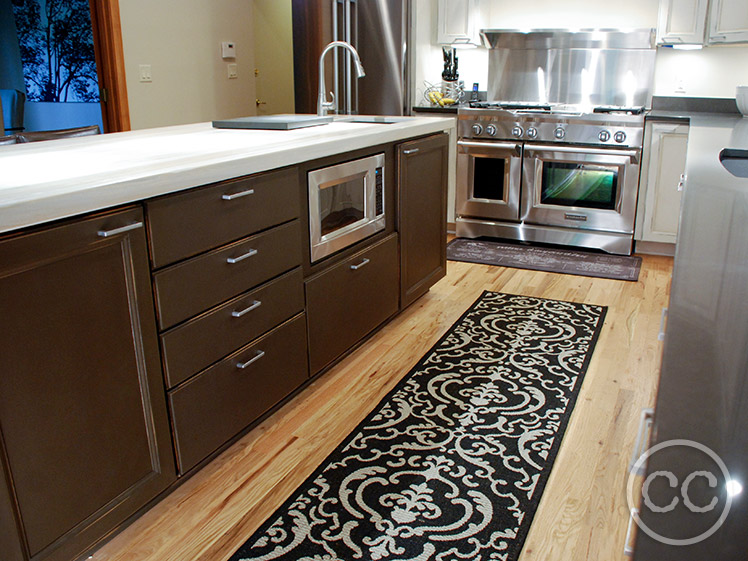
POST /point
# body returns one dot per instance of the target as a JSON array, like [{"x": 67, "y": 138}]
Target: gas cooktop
[
  {"x": 558, "y": 108},
  {"x": 612, "y": 126}
]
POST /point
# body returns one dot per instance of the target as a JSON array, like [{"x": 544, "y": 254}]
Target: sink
[
  {"x": 735, "y": 161},
  {"x": 370, "y": 119}
]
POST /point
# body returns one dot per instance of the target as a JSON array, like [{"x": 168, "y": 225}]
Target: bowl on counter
[{"x": 741, "y": 98}]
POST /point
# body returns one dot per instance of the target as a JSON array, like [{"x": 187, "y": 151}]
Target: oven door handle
[
  {"x": 633, "y": 155},
  {"x": 517, "y": 148}
]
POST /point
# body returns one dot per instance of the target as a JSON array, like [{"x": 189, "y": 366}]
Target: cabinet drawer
[
  {"x": 189, "y": 223},
  {"x": 349, "y": 299},
  {"x": 224, "y": 399},
  {"x": 203, "y": 340},
  {"x": 189, "y": 288}
]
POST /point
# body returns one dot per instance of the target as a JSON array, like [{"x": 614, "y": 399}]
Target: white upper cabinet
[
  {"x": 459, "y": 22},
  {"x": 728, "y": 21},
  {"x": 682, "y": 22}
]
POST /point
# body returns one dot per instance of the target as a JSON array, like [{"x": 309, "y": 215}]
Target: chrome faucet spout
[{"x": 323, "y": 106}]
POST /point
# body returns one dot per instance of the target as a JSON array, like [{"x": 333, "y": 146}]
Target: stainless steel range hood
[{"x": 589, "y": 67}]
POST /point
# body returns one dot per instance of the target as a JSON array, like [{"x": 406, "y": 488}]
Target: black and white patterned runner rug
[{"x": 452, "y": 462}]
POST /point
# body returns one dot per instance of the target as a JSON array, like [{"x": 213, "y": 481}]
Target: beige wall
[
  {"x": 274, "y": 56},
  {"x": 181, "y": 40}
]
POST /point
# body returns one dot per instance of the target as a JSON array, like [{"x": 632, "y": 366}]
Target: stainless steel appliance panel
[
  {"x": 577, "y": 68},
  {"x": 703, "y": 391},
  {"x": 489, "y": 175},
  {"x": 378, "y": 29},
  {"x": 621, "y": 177}
]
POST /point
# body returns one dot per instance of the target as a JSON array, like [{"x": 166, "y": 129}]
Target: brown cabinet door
[
  {"x": 422, "y": 175},
  {"x": 349, "y": 299},
  {"x": 82, "y": 407}
]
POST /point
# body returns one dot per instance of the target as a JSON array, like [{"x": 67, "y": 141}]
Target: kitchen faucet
[{"x": 323, "y": 106}]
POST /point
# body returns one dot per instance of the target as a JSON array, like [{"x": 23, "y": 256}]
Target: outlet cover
[{"x": 232, "y": 69}]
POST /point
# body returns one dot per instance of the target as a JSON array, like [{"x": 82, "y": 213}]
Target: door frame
[{"x": 110, "y": 64}]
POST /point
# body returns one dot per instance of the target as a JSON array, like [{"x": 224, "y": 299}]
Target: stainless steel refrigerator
[{"x": 379, "y": 31}]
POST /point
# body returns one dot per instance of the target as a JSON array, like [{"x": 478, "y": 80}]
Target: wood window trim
[{"x": 110, "y": 62}]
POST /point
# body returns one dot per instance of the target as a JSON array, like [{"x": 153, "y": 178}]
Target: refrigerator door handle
[{"x": 348, "y": 104}]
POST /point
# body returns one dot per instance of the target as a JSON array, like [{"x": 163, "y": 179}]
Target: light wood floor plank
[{"x": 582, "y": 514}]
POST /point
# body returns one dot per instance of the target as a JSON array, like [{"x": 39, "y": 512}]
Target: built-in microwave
[{"x": 346, "y": 204}]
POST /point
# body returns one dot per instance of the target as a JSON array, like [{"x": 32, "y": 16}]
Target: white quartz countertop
[{"x": 45, "y": 181}]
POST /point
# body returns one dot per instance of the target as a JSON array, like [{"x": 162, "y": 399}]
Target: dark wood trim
[{"x": 110, "y": 62}]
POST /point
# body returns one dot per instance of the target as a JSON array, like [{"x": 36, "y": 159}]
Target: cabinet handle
[
  {"x": 243, "y": 365},
  {"x": 357, "y": 267},
  {"x": 682, "y": 181},
  {"x": 663, "y": 319},
  {"x": 233, "y": 260},
  {"x": 645, "y": 428},
  {"x": 411, "y": 151},
  {"x": 238, "y": 195},
  {"x": 122, "y": 230},
  {"x": 253, "y": 306},
  {"x": 628, "y": 549}
]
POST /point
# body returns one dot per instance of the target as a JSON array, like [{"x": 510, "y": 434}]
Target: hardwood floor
[{"x": 583, "y": 512}]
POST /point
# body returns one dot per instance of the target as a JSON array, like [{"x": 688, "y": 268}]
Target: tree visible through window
[{"x": 57, "y": 50}]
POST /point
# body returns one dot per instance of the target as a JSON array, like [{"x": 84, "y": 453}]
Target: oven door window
[
  {"x": 341, "y": 205},
  {"x": 489, "y": 178},
  {"x": 579, "y": 185}
]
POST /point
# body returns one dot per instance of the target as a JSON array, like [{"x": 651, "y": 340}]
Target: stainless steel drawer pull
[
  {"x": 243, "y": 365},
  {"x": 412, "y": 151},
  {"x": 238, "y": 195},
  {"x": 233, "y": 260},
  {"x": 253, "y": 306},
  {"x": 642, "y": 441},
  {"x": 356, "y": 267},
  {"x": 628, "y": 549},
  {"x": 122, "y": 230},
  {"x": 663, "y": 320}
]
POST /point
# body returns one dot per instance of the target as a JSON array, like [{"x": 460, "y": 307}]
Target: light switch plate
[
  {"x": 232, "y": 70},
  {"x": 228, "y": 49},
  {"x": 145, "y": 73}
]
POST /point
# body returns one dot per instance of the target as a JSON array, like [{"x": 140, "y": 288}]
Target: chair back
[{"x": 58, "y": 134}]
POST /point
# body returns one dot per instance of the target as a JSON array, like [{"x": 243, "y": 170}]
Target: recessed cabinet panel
[
  {"x": 185, "y": 224},
  {"x": 82, "y": 407},
  {"x": 728, "y": 21},
  {"x": 681, "y": 22},
  {"x": 193, "y": 286},
  {"x": 214, "y": 406},
  {"x": 422, "y": 172},
  {"x": 350, "y": 299},
  {"x": 660, "y": 196},
  {"x": 200, "y": 342}
]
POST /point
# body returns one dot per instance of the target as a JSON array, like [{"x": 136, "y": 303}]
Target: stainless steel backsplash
[{"x": 587, "y": 67}]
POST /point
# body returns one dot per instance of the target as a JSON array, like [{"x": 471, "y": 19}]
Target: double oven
[{"x": 549, "y": 174}]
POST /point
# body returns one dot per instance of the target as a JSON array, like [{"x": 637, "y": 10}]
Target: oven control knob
[
  {"x": 532, "y": 132},
  {"x": 604, "y": 136},
  {"x": 517, "y": 131},
  {"x": 559, "y": 133},
  {"x": 491, "y": 130},
  {"x": 477, "y": 129},
  {"x": 619, "y": 137}
]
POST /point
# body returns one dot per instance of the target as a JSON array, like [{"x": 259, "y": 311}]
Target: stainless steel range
[
  {"x": 549, "y": 175},
  {"x": 561, "y": 165}
]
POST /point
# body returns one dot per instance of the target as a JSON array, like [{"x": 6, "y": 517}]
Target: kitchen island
[{"x": 160, "y": 298}]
